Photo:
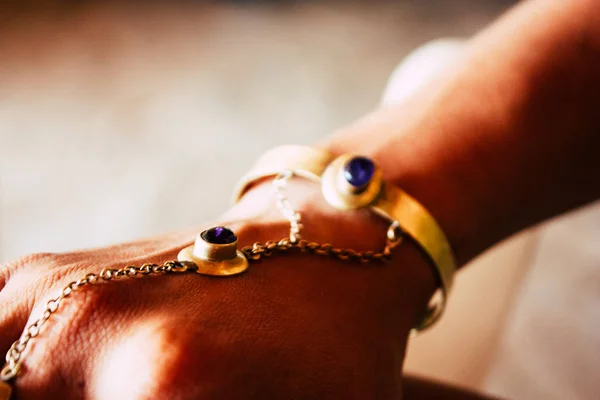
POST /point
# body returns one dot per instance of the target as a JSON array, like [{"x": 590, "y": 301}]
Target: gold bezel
[
  {"x": 206, "y": 250},
  {"x": 215, "y": 259},
  {"x": 340, "y": 194},
  {"x": 231, "y": 266}
]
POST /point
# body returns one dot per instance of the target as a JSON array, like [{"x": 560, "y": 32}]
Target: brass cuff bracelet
[
  {"x": 214, "y": 254},
  {"x": 351, "y": 182},
  {"x": 348, "y": 182}
]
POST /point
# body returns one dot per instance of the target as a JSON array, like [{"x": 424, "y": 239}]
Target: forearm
[
  {"x": 508, "y": 138},
  {"x": 481, "y": 152}
]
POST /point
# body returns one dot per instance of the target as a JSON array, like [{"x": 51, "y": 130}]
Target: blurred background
[{"x": 128, "y": 119}]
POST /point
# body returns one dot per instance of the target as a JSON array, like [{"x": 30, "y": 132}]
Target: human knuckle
[
  {"x": 8, "y": 270},
  {"x": 30, "y": 260}
]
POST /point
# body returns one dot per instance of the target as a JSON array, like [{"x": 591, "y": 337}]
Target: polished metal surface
[
  {"x": 304, "y": 161},
  {"x": 384, "y": 199},
  {"x": 215, "y": 259},
  {"x": 340, "y": 194}
]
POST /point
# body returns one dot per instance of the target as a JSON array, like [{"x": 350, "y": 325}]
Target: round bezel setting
[
  {"x": 341, "y": 193},
  {"x": 215, "y": 253}
]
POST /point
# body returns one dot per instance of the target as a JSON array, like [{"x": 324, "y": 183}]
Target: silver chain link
[{"x": 285, "y": 206}]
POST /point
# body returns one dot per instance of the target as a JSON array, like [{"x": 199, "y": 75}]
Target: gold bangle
[
  {"x": 384, "y": 199},
  {"x": 215, "y": 252},
  {"x": 304, "y": 161}
]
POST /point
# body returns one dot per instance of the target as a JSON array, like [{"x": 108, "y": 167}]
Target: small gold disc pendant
[
  {"x": 215, "y": 253},
  {"x": 5, "y": 390}
]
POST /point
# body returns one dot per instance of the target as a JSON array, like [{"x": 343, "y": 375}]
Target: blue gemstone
[
  {"x": 359, "y": 171},
  {"x": 219, "y": 235}
]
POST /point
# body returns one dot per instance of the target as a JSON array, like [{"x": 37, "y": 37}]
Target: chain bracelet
[
  {"x": 284, "y": 205},
  {"x": 14, "y": 356},
  {"x": 258, "y": 250}
]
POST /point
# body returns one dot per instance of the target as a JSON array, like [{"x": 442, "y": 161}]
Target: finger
[
  {"x": 13, "y": 317},
  {"x": 16, "y": 299},
  {"x": 32, "y": 279}
]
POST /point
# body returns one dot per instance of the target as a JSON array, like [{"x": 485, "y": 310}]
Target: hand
[{"x": 292, "y": 326}]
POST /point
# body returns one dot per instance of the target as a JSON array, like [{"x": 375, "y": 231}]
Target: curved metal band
[
  {"x": 305, "y": 161},
  {"x": 417, "y": 222},
  {"x": 392, "y": 203}
]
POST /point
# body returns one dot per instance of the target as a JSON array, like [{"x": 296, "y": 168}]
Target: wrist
[
  {"x": 414, "y": 166},
  {"x": 404, "y": 285},
  {"x": 487, "y": 144}
]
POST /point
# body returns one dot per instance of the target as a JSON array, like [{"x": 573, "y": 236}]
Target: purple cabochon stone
[
  {"x": 219, "y": 235},
  {"x": 359, "y": 171}
]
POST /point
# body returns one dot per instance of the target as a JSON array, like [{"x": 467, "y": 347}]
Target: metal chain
[
  {"x": 284, "y": 205},
  {"x": 258, "y": 249},
  {"x": 14, "y": 357}
]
